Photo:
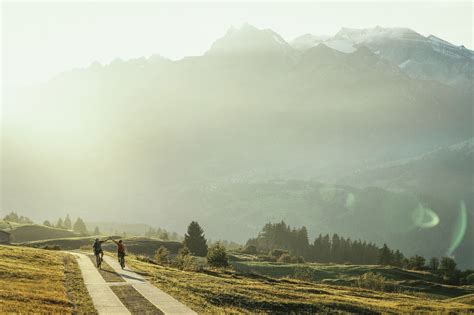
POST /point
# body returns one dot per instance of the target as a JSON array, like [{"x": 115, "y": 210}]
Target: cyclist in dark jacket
[{"x": 97, "y": 247}]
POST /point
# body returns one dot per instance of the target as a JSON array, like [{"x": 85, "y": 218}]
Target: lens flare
[
  {"x": 350, "y": 201},
  {"x": 460, "y": 230},
  {"x": 424, "y": 217}
]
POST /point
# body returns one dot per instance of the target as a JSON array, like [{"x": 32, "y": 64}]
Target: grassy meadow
[
  {"x": 217, "y": 291},
  {"x": 41, "y": 281},
  {"x": 409, "y": 281}
]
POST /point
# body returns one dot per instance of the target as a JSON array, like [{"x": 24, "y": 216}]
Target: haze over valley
[{"x": 367, "y": 133}]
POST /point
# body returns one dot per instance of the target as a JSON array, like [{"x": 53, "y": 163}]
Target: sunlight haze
[{"x": 41, "y": 40}]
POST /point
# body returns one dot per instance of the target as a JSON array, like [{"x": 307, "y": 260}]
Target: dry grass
[
  {"x": 75, "y": 287},
  {"x": 219, "y": 291},
  {"x": 40, "y": 281}
]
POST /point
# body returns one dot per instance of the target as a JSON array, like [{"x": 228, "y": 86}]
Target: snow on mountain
[
  {"x": 358, "y": 36},
  {"x": 428, "y": 58}
]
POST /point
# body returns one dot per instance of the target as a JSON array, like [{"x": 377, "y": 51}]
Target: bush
[
  {"x": 470, "y": 279},
  {"x": 184, "y": 260},
  {"x": 289, "y": 259},
  {"x": 217, "y": 256},
  {"x": 161, "y": 255},
  {"x": 304, "y": 273},
  {"x": 250, "y": 249},
  {"x": 374, "y": 281},
  {"x": 285, "y": 258},
  {"x": 277, "y": 253},
  {"x": 146, "y": 259}
]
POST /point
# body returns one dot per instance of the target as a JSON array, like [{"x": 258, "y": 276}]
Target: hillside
[
  {"x": 408, "y": 281},
  {"x": 135, "y": 245},
  {"x": 218, "y": 291},
  {"x": 41, "y": 281},
  {"x": 34, "y": 232}
]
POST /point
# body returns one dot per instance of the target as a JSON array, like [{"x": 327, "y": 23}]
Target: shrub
[
  {"x": 250, "y": 249},
  {"x": 277, "y": 253},
  {"x": 161, "y": 255},
  {"x": 146, "y": 259},
  {"x": 470, "y": 279},
  {"x": 304, "y": 273},
  {"x": 185, "y": 261},
  {"x": 374, "y": 281},
  {"x": 285, "y": 258},
  {"x": 217, "y": 256}
]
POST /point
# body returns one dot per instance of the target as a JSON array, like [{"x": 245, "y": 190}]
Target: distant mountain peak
[
  {"x": 356, "y": 35},
  {"x": 249, "y": 39}
]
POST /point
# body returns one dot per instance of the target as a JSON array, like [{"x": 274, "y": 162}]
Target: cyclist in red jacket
[{"x": 120, "y": 252}]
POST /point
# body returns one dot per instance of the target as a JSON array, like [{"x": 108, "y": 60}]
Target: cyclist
[
  {"x": 120, "y": 252},
  {"x": 98, "y": 252}
]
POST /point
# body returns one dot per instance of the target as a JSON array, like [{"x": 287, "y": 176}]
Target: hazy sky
[{"x": 40, "y": 40}]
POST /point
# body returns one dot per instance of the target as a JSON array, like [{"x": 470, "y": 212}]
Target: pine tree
[
  {"x": 194, "y": 240},
  {"x": 96, "y": 231},
  {"x": 416, "y": 262},
  {"x": 164, "y": 236},
  {"x": 398, "y": 258},
  {"x": 434, "y": 263},
  {"x": 80, "y": 226},
  {"x": 385, "y": 255},
  {"x": 60, "y": 224},
  {"x": 67, "y": 223}
]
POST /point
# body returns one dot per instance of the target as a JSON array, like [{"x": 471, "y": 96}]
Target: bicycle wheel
[
  {"x": 122, "y": 262},
  {"x": 98, "y": 261}
]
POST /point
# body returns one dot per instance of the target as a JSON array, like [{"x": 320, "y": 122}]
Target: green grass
[
  {"x": 41, "y": 281},
  {"x": 34, "y": 232},
  {"x": 340, "y": 274},
  {"x": 215, "y": 291},
  {"x": 136, "y": 245}
]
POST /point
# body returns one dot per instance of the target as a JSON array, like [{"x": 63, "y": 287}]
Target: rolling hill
[{"x": 41, "y": 281}]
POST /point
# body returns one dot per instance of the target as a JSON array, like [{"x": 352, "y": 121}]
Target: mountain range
[{"x": 235, "y": 137}]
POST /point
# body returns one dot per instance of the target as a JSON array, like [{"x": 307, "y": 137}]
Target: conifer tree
[
  {"x": 195, "y": 241},
  {"x": 385, "y": 255},
  {"x": 67, "y": 223},
  {"x": 59, "y": 224},
  {"x": 80, "y": 226}
]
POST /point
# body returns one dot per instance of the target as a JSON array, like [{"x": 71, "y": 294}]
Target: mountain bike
[
  {"x": 98, "y": 260},
  {"x": 122, "y": 260}
]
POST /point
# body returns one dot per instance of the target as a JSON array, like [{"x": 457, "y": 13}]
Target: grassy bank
[
  {"x": 340, "y": 274},
  {"x": 219, "y": 291},
  {"x": 41, "y": 281},
  {"x": 136, "y": 245}
]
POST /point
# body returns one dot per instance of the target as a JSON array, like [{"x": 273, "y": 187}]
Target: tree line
[
  {"x": 324, "y": 248},
  {"x": 66, "y": 224}
]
